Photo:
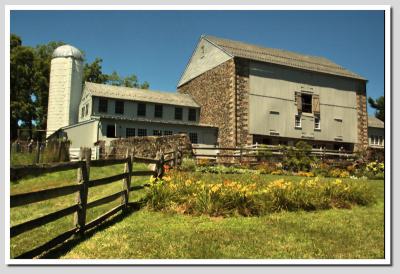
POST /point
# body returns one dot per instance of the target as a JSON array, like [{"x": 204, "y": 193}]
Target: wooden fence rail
[
  {"x": 81, "y": 190},
  {"x": 256, "y": 153}
]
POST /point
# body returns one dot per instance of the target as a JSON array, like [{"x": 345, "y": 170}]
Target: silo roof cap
[{"x": 67, "y": 51}]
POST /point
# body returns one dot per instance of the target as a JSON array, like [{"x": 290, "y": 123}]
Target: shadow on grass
[{"x": 64, "y": 248}]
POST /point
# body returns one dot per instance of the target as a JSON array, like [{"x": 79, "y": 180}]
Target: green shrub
[
  {"x": 298, "y": 158},
  {"x": 188, "y": 164}
]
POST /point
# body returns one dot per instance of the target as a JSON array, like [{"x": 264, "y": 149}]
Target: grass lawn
[
  {"x": 28, "y": 240},
  {"x": 336, "y": 233}
]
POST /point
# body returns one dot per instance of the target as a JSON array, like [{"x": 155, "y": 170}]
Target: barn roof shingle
[
  {"x": 143, "y": 95},
  {"x": 375, "y": 122},
  {"x": 280, "y": 57}
]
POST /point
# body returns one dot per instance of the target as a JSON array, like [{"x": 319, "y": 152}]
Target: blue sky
[{"x": 156, "y": 45}]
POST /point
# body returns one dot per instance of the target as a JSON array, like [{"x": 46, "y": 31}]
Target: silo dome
[{"x": 67, "y": 51}]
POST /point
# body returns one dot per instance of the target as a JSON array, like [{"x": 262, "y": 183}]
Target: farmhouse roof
[
  {"x": 143, "y": 95},
  {"x": 375, "y": 122},
  {"x": 280, "y": 57}
]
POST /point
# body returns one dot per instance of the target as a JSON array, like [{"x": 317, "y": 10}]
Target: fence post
[
  {"x": 37, "y": 156},
  {"x": 127, "y": 180},
  {"x": 175, "y": 157},
  {"x": 83, "y": 180},
  {"x": 160, "y": 165}
]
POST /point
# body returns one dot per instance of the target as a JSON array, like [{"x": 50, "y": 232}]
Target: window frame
[
  {"x": 157, "y": 132},
  {"x": 108, "y": 130},
  {"x": 119, "y": 107},
  {"x": 140, "y": 130},
  {"x": 194, "y": 135},
  {"x": 180, "y": 116},
  {"x": 158, "y": 113},
  {"x": 168, "y": 132},
  {"x": 141, "y": 109},
  {"x": 317, "y": 123},
  {"x": 297, "y": 124},
  {"x": 131, "y": 129},
  {"x": 103, "y": 105},
  {"x": 306, "y": 107},
  {"x": 191, "y": 112}
]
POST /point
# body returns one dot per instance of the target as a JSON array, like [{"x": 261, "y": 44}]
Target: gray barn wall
[
  {"x": 200, "y": 63},
  {"x": 272, "y": 88}
]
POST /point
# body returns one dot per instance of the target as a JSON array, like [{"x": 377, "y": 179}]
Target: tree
[
  {"x": 379, "y": 106},
  {"x": 93, "y": 72},
  {"x": 22, "y": 77},
  {"x": 30, "y": 77},
  {"x": 114, "y": 79},
  {"x": 145, "y": 85}
]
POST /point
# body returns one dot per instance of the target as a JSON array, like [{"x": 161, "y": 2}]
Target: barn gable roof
[{"x": 280, "y": 57}]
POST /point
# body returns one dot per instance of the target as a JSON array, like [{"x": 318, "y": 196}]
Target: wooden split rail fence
[
  {"x": 254, "y": 154},
  {"x": 81, "y": 189}
]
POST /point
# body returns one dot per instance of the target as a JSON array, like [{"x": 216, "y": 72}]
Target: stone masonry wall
[
  {"x": 149, "y": 145},
  {"x": 242, "y": 68},
  {"x": 362, "y": 118},
  {"x": 214, "y": 91}
]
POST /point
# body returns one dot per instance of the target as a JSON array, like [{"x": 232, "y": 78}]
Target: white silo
[{"x": 65, "y": 88}]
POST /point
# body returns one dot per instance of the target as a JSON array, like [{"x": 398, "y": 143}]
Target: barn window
[
  {"x": 158, "y": 111},
  {"x": 317, "y": 123},
  {"x": 141, "y": 111},
  {"x": 167, "y": 132},
  {"x": 193, "y": 137},
  {"x": 192, "y": 114},
  {"x": 111, "y": 131},
  {"x": 157, "y": 132},
  {"x": 306, "y": 103},
  {"x": 103, "y": 105},
  {"x": 119, "y": 107},
  {"x": 178, "y": 113},
  {"x": 142, "y": 132},
  {"x": 130, "y": 132},
  {"x": 297, "y": 121}
]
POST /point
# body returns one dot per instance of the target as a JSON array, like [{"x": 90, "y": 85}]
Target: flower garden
[
  {"x": 298, "y": 182},
  {"x": 252, "y": 195}
]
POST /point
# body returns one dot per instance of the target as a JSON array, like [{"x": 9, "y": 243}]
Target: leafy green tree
[
  {"x": 379, "y": 106},
  {"x": 114, "y": 79},
  {"x": 298, "y": 158},
  {"x": 93, "y": 72},
  {"x": 131, "y": 81},
  {"x": 145, "y": 85},
  {"x": 22, "y": 77}
]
